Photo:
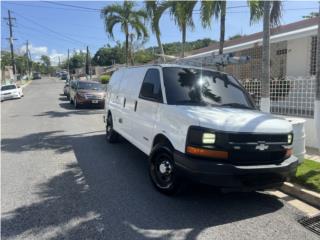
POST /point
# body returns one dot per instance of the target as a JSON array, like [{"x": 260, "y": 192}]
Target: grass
[{"x": 308, "y": 175}]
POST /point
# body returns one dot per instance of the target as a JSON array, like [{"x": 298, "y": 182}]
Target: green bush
[{"x": 104, "y": 79}]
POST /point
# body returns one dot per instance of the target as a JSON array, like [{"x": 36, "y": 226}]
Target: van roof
[{"x": 172, "y": 65}]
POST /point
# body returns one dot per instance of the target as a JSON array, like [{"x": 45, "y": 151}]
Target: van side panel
[
  {"x": 112, "y": 99},
  {"x": 174, "y": 126},
  {"x": 128, "y": 93}
]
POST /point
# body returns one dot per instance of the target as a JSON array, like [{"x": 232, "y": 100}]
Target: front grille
[
  {"x": 256, "y": 158},
  {"x": 246, "y": 138},
  {"x": 93, "y": 97}
]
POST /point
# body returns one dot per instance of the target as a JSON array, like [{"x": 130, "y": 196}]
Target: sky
[{"x": 52, "y": 27}]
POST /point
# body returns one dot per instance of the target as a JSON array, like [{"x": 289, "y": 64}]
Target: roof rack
[{"x": 214, "y": 60}]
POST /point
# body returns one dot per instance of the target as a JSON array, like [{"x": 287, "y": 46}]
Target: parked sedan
[
  {"x": 66, "y": 89},
  {"x": 83, "y": 92},
  {"x": 11, "y": 91}
]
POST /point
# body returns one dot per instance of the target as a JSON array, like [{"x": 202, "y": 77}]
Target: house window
[
  {"x": 313, "y": 58},
  {"x": 282, "y": 51}
]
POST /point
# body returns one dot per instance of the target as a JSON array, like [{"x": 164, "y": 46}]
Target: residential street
[{"x": 60, "y": 179}]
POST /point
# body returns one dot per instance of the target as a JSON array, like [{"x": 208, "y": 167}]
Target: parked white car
[
  {"x": 200, "y": 124},
  {"x": 11, "y": 91}
]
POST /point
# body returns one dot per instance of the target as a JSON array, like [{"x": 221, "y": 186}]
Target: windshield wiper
[{"x": 236, "y": 105}]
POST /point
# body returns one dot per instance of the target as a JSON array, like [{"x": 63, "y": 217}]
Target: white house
[{"x": 293, "y": 68}]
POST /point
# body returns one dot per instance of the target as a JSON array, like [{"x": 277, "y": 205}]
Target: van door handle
[
  {"x": 124, "y": 103},
  {"x": 135, "y": 105}
]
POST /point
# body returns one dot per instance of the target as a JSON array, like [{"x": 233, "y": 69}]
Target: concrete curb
[{"x": 301, "y": 193}]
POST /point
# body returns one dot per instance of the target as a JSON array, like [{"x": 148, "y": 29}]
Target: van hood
[{"x": 236, "y": 120}]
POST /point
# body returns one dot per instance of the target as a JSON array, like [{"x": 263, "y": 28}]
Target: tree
[
  {"x": 182, "y": 14},
  {"x": 107, "y": 56},
  {"x": 236, "y": 36},
  {"x": 311, "y": 15},
  {"x": 155, "y": 10},
  {"x": 215, "y": 9},
  {"x": 128, "y": 18},
  {"x": 270, "y": 11},
  {"x": 46, "y": 62}
]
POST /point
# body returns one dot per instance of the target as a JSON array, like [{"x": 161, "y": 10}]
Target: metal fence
[{"x": 291, "y": 96}]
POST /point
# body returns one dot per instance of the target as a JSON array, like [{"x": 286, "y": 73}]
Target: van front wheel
[
  {"x": 111, "y": 135},
  {"x": 162, "y": 171}
]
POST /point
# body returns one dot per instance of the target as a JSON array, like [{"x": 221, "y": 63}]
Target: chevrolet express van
[{"x": 197, "y": 123}]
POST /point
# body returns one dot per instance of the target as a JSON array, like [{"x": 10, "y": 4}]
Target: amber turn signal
[
  {"x": 288, "y": 152},
  {"x": 207, "y": 153}
]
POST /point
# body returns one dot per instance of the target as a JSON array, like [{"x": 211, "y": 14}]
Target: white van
[{"x": 200, "y": 124}]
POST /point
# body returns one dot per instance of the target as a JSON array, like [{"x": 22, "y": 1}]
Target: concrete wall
[{"x": 298, "y": 56}]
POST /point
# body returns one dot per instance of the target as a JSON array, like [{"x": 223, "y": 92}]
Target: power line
[
  {"x": 48, "y": 7},
  {"x": 73, "y": 6},
  {"x": 48, "y": 29}
]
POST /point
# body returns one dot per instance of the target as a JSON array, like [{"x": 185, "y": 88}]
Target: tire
[
  {"x": 111, "y": 135},
  {"x": 75, "y": 104},
  {"x": 162, "y": 170}
]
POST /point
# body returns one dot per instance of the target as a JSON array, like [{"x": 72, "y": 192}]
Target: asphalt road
[{"x": 61, "y": 180}]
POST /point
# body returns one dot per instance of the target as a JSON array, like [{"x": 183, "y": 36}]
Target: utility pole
[
  {"x": 11, "y": 39},
  {"x": 27, "y": 54},
  {"x": 68, "y": 64},
  {"x": 87, "y": 63},
  {"x": 59, "y": 61}
]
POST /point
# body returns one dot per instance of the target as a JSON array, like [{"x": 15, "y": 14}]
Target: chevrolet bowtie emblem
[{"x": 262, "y": 147}]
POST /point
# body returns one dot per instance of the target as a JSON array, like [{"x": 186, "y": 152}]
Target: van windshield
[
  {"x": 90, "y": 86},
  {"x": 188, "y": 86}
]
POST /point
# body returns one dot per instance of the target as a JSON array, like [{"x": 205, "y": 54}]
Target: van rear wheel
[
  {"x": 162, "y": 171},
  {"x": 111, "y": 135}
]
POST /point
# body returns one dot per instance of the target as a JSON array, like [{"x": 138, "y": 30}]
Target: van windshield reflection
[{"x": 188, "y": 86}]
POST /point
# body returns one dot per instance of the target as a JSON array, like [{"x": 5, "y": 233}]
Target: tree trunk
[
  {"x": 160, "y": 46},
  {"x": 127, "y": 47},
  {"x": 265, "y": 83},
  {"x": 184, "y": 29},
  {"x": 222, "y": 26},
  {"x": 317, "y": 100}
]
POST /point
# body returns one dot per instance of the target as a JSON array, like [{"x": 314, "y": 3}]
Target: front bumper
[
  {"x": 91, "y": 102},
  {"x": 9, "y": 96},
  {"x": 227, "y": 175}
]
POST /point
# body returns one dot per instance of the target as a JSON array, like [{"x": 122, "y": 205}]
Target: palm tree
[
  {"x": 182, "y": 13},
  {"x": 155, "y": 9},
  {"x": 128, "y": 18},
  {"x": 270, "y": 11},
  {"x": 215, "y": 9}
]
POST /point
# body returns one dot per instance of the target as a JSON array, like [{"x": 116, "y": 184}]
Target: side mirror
[{"x": 253, "y": 96}]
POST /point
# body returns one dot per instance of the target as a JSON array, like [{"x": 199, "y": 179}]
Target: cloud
[
  {"x": 37, "y": 51},
  {"x": 54, "y": 57}
]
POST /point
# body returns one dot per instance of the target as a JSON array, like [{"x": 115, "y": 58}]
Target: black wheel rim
[{"x": 162, "y": 171}]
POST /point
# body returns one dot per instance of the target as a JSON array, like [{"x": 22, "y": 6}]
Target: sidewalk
[{"x": 312, "y": 154}]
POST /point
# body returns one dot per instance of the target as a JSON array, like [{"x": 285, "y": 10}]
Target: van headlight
[
  {"x": 290, "y": 138},
  {"x": 208, "y": 138}
]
